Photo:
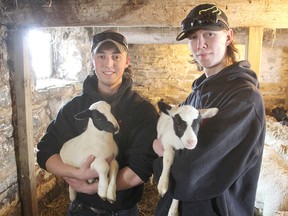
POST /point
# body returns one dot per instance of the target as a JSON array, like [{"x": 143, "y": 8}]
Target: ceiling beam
[{"x": 133, "y": 13}]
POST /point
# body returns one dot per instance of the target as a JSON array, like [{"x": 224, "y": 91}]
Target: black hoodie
[
  {"x": 219, "y": 176},
  {"x": 137, "y": 119}
]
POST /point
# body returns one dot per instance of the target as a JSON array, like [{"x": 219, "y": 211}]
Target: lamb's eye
[{"x": 177, "y": 121}]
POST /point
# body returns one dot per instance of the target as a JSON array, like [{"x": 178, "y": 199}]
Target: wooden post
[
  {"x": 286, "y": 101},
  {"x": 255, "y": 48},
  {"x": 24, "y": 143}
]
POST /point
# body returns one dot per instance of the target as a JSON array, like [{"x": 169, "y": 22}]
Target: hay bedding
[
  {"x": 149, "y": 200},
  {"x": 58, "y": 207}
]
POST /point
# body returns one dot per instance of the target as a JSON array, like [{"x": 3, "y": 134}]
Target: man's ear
[
  {"x": 229, "y": 38},
  {"x": 127, "y": 61}
]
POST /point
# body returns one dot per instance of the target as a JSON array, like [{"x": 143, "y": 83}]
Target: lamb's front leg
[
  {"x": 111, "y": 192},
  {"x": 173, "y": 210},
  {"x": 102, "y": 167},
  {"x": 72, "y": 194},
  {"x": 168, "y": 158}
]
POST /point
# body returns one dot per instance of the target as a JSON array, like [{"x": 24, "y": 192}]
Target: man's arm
[
  {"x": 126, "y": 179},
  {"x": 56, "y": 166}
]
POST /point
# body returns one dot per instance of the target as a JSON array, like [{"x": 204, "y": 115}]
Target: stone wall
[
  {"x": 274, "y": 77},
  {"x": 9, "y": 197},
  {"x": 160, "y": 71},
  {"x": 46, "y": 104}
]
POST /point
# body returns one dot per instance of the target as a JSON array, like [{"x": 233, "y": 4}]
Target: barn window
[
  {"x": 55, "y": 61},
  {"x": 40, "y": 51}
]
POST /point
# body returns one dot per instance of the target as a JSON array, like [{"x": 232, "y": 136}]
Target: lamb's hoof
[
  {"x": 103, "y": 197},
  {"x": 102, "y": 194},
  {"x": 72, "y": 198},
  {"x": 173, "y": 212},
  {"x": 111, "y": 200},
  {"x": 111, "y": 195}
]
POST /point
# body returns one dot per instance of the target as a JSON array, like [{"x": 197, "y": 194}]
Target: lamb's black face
[
  {"x": 180, "y": 125},
  {"x": 101, "y": 123}
]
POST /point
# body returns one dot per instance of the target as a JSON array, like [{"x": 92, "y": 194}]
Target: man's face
[
  {"x": 209, "y": 47},
  {"x": 109, "y": 67}
]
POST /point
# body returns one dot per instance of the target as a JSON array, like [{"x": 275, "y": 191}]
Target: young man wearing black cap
[
  {"x": 110, "y": 81},
  {"x": 219, "y": 176}
]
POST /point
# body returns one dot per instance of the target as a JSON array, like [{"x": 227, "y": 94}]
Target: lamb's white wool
[
  {"x": 96, "y": 140},
  {"x": 177, "y": 129},
  {"x": 277, "y": 136},
  {"x": 272, "y": 190}
]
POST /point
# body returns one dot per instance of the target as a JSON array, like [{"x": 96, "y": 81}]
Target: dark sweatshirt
[
  {"x": 137, "y": 119},
  {"x": 219, "y": 176}
]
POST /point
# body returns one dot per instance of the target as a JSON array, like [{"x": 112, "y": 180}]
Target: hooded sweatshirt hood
[
  {"x": 90, "y": 88},
  {"x": 213, "y": 91},
  {"x": 239, "y": 70}
]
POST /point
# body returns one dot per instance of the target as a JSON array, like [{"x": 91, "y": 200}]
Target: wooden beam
[
  {"x": 255, "y": 48},
  {"x": 24, "y": 142},
  {"x": 286, "y": 101},
  {"x": 164, "y": 13}
]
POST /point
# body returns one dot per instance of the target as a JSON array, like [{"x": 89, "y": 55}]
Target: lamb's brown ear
[
  {"x": 163, "y": 107},
  {"x": 83, "y": 115},
  {"x": 208, "y": 113}
]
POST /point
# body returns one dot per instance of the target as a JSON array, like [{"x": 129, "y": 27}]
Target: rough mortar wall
[
  {"x": 162, "y": 71},
  {"x": 274, "y": 79},
  {"x": 9, "y": 197}
]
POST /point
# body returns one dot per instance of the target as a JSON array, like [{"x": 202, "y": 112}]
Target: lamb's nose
[{"x": 191, "y": 144}]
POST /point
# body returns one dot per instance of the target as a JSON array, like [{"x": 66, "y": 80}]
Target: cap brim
[
  {"x": 184, "y": 34},
  {"x": 119, "y": 46}
]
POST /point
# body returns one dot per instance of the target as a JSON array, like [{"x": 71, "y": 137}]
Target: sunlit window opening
[
  {"x": 40, "y": 50},
  {"x": 54, "y": 61}
]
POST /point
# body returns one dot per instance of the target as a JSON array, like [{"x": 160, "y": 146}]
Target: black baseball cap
[
  {"x": 118, "y": 39},
  {"x": 204, "y": 16}
]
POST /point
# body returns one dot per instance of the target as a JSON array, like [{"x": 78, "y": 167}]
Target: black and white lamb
[
  {"x": 177, "y": 129},
  {"x": 96, "y": 140}
]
